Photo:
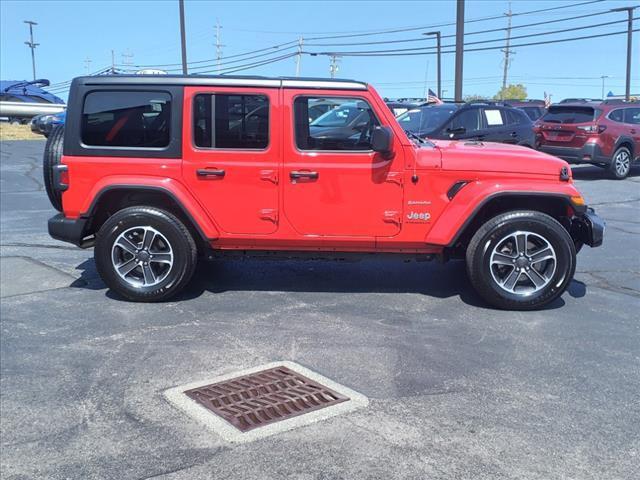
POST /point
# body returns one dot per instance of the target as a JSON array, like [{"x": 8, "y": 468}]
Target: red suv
[
  {"x": 606, "y": 134},
  {"x": 156, "y": 172}
]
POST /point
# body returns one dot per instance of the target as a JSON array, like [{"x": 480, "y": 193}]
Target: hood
[{"x": 497, "y": 157}]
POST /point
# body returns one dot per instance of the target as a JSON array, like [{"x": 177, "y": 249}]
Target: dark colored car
[
  {"x": 476, "y": 121},
  {"x": 398, "y": 107},
  {"x": 533, "y": 108},
  {"x": 606, "y": 134},
  {"x": 43, "y": 124}
]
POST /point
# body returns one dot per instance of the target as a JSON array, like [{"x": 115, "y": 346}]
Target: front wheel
[
  {"x": 145, "y": 254},
  {"x": 521, "y": 260}
]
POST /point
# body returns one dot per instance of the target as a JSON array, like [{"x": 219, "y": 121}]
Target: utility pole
[
  {"x": 459, "y": 48},
  {"x": 299, "y": 56},
  {"x": 333, "y": 66},
  {"x": 439, "y": 55},
  {"x": 127, "y": 58},
  {"x": 507, "y": 53},
  {"x": 87, "y": 65},
  {"x": 183, "y": 40},
  {"x": 603, "y": 77},
  {"x": 218, "y": 47},
  {"x": 629, "y": 10},
  {"x": 113, "y": 62},
  {"x": 32, "y": 46}
]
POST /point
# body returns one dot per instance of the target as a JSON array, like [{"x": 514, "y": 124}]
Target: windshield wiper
[{"x": 414, "y": 136}]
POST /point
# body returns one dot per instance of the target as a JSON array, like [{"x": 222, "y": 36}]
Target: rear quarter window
[{"x": 128, "y": 119}]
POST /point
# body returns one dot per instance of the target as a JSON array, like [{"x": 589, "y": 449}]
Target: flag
[
  {"x": 433, "y": 98},
  {"x": 547, "y": 100}
]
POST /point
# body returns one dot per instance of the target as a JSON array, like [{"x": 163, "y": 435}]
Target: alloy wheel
[
  {"x": 142, "y": 256},
  {"x": 523, "y": 263}
]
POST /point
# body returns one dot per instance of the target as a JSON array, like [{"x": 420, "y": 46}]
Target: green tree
[{"x": 512, "y": 92}]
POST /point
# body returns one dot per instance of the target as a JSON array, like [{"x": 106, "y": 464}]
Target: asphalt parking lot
[{"x": 456, "y": 390}]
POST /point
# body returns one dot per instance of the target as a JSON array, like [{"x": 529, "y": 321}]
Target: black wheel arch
[
  {"x": 554, "y": 205},
  {"x": 114, "y": 198}
]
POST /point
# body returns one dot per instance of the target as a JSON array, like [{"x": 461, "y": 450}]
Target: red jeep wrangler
[{"x": 157, "y": 170}]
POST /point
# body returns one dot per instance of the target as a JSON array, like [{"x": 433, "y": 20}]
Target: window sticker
[{"x": 493, "y": 117}]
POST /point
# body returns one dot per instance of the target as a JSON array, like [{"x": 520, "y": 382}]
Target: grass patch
[{"x": 17, "y": 132}]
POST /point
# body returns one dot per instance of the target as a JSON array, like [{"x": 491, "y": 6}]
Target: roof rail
[{"x": 616, "y": 101}]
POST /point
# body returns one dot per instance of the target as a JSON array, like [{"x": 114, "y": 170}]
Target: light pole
[
  {"x": 603, "y": 77},
  {"x": 439, "y": 54},
  {"x": 459, "y": 48},
  {"x": 629, "y": 11},
  {"x": 32, "y": 46},
  {"x": 183, "y": 41}
]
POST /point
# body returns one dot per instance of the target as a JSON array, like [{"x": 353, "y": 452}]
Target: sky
[{"x": 147, "y": 33}]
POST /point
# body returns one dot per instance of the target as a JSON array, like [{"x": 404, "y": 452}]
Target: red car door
[
  {"x": 334, "y": 184},
  {"x": 231, "y": 155}
]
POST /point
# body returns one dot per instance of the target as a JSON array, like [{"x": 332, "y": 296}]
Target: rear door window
[
  {"x": 136, "y": 119},
  {"x": 493, "y": 117},
  {"x": 632, "y": 116},
  {"x": 567, "y": 114},
  {"x": 231, "y": 121}
]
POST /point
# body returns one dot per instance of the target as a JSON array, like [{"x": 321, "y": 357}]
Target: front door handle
[
  {"x": 295, "y": 174},
  {"x": 210, "y": 172}
]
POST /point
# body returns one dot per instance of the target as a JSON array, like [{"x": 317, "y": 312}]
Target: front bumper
[
  {"x": 71, "y": 230},
  {"x": 588, "y": 228}
]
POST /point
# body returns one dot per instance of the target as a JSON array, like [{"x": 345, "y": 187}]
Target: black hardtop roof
[{"x": 223, "y": 80}]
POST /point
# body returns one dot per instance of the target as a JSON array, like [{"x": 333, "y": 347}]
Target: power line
[
  {"x": 479, "y": 32},
  {"x": 418, "y": 50},
  {"x": 398, "y": 30}
]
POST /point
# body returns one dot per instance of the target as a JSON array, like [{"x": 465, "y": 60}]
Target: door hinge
[
  {"x": 269, "y": 214},
  {"x": 392, "y": 216},
  {"x": 269, "y": 176},
  {"x": 395, "y": 177}
]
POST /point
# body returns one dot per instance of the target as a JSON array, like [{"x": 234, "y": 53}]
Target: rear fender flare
[{"x": 187, "y": 203}]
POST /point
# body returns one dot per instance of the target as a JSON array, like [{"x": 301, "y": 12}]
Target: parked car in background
[
  {"x": 398, "y": 107},
  {"x": 43, "y": 124},
  {"x": 533, "y": 108},
  {"x": 22, "y": 100},
  {"x": 491, "y": 122},
  {"x": 606, "y": 134}
]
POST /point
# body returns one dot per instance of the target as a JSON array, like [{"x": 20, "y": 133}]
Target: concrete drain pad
[
  {"x": 21, "y": 275},
  {"x": 255, "y": 403}
]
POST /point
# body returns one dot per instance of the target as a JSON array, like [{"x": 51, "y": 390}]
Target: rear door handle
[
  {"x": 514, "y": 134},
  {"x": 210, "y": 172},
  {"x": 294, "y": 175}
]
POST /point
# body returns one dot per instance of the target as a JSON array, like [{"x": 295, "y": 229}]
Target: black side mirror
[
  {"x": 456, "y": 131},
  {"x": 381, "y": 140}
]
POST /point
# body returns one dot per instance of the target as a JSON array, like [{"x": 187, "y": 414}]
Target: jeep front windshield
[{"x": 425, "y": 120}]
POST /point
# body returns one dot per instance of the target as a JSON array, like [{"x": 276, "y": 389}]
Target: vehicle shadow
[
  {"x": 367, "y": 276},
  {"x": 591, "y": 172}
]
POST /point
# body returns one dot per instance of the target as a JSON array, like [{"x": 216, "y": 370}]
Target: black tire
[
  {"x": 493, "y": 233},
  {"x": 619, "y": 168},
  {"x": 51, "y": 158},
  {"x": 171, "y": 229}
]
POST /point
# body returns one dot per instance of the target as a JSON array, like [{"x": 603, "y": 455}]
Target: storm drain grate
[{"x": 265, "y": 397}]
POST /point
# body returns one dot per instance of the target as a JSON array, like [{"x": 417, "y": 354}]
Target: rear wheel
[
  {"x": 620, "y": 163},
  {"x": 521, "y": 260},
  {"x": 145, "y": 254}
]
